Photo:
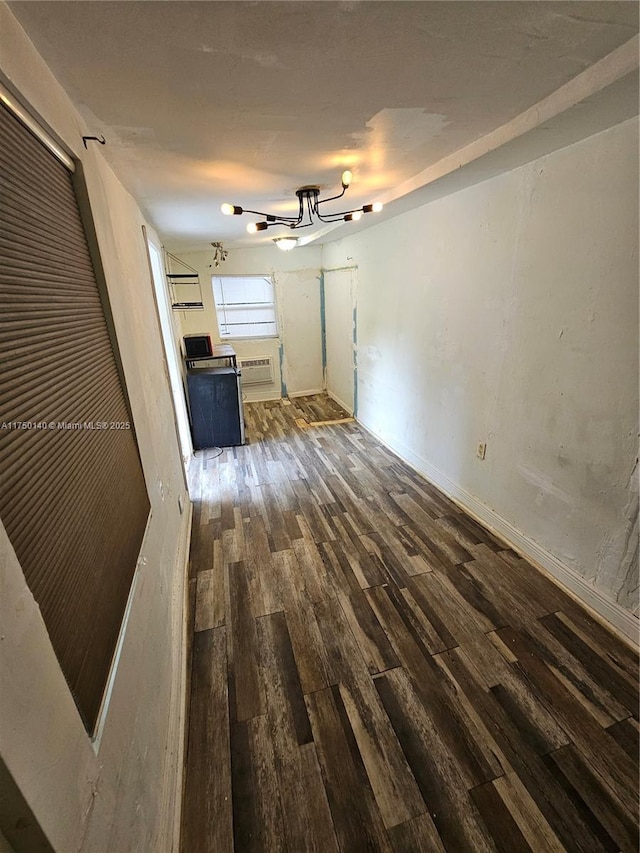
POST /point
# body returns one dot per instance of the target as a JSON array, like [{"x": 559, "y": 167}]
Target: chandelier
[{"x": 309, "y": 202}]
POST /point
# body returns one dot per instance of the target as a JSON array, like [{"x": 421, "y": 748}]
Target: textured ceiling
[{"x": 204, "y": 102}]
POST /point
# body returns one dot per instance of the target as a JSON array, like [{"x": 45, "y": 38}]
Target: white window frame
[{"x": 220, "y": 308}]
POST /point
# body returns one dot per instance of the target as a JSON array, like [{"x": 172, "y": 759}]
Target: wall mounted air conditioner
[{"x": 256, "y": 371}]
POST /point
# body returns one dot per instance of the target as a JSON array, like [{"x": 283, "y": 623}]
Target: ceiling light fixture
[
  {"x": 219, "y": 253},
  {"x": 309, "y": 202},
  {"x": 285, "y": 243}
]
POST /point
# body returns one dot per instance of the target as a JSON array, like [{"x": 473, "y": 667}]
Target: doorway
[{"x": 173, "y": 360}]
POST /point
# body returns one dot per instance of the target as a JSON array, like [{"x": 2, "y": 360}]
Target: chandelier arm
[
  {"x": 271, "y": 218},
  {"x": 331, "y": 198},
  {"x": 335, "y": 217},
  {"x": 301, "y": 200},
  {"x": 312, "y": 207},
  {"x": 330, "y": 217}
]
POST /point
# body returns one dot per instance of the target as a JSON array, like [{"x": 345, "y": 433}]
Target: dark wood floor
[{"x": 373, "y": 671}]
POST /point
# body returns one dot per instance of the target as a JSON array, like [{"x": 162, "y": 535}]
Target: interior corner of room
[{"x": 482, "y": 327}]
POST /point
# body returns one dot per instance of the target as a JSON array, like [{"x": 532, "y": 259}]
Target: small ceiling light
[
  {"x": 309, "y": 202},
  {"x": 286, "y": 243},
  {"x": 219, "y": 254}
]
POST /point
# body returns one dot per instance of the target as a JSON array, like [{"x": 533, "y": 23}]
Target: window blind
[
  {"x": 72, "y": 493},
  {"x": 245, "y": 306}
]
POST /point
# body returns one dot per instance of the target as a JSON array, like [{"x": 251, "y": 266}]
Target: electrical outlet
[{"x": 481, "y": 450}]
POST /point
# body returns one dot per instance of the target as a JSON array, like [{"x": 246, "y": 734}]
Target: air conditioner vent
[{"x": 256, "y": 371}]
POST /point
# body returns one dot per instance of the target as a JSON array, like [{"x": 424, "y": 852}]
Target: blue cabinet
[{"x": 215, "y": 403}]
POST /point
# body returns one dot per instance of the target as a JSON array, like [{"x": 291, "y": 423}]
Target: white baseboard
[
  {"x": 258, "y": 397},
  {"x": 292, "y": 394},
  {"x": 348, "y": 409},
  {"x": 177, "y": 734},
  {"x": 625, "y": 622}
]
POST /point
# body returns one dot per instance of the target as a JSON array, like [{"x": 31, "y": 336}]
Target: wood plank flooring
[{"x": 374, "y": 671}]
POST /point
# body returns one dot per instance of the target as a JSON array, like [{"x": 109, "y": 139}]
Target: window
[{"x": 245, "y": 306}]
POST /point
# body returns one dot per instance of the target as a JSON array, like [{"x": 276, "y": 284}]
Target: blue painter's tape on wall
[{"x": 283, "y": 384}]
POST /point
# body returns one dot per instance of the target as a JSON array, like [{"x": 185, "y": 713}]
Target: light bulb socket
[
  {"x": 367, "y": 208},
  {"x": 262, "y": 226}
]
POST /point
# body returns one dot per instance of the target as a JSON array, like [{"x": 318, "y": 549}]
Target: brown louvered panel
[
  {"x": 25, "y": 224},
  {"x": 13, "y": 316},
  {"x": 30, "y": 159},
  {"x": 31, "y": 270},
  {"x": 73, "y": 501},
  {"x": 39, "y": 183},
  {"x": 53, "y": 401},
  {"x": 55, "y": 456},
  {"x": 68, "y": 358},
  {"x": 43, "y": 204},
  {"x": 51, "y": 340},
  {"x": 38, "y": 248},
  {"x": 49, "y": 289},
  {"x": 57, "y": 259},
  {"x": 46, "y": 401}
]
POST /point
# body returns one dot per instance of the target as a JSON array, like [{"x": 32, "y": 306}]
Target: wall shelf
[{"x": 184, "y": 287}]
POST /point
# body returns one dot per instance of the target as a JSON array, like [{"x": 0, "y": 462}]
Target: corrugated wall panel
[{"x": 73, "y": 500}]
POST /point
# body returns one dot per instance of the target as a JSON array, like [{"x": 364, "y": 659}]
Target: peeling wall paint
[
  {"x": 300, "y": 330},
  {"x": 283, "y": 384},
  {"x": 340, "y": 323},
  {"x": 617, "y": 557}
]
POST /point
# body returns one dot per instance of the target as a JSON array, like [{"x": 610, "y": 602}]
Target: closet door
[{"x": 73, "y": 498}]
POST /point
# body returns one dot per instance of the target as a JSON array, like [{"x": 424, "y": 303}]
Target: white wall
[
  {"x": 340, "y": 289},
  {"x": 297, "y": 284},
  {"x": 124, "y": 797},
  {"x": 508, "y": 313}
]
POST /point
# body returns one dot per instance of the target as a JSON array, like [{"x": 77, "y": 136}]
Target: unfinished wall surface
[
  {"x": 297, "y": 351},
  {"x": 340, "y": 294},
  {"x": 508, "y": 314},
  {"x": 121, "y": 792}
]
